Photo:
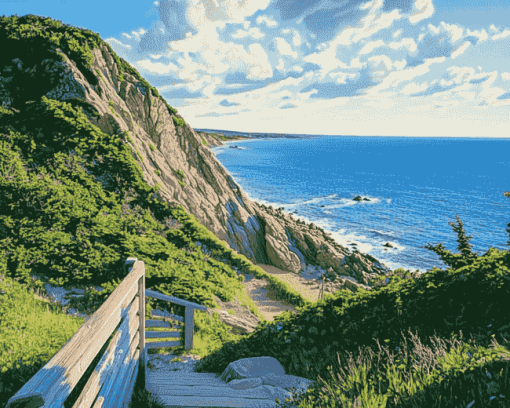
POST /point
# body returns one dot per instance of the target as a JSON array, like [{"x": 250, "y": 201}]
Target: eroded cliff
[{"x": 117, "y": 99}]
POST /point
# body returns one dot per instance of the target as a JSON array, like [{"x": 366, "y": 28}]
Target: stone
[
  {"x": 357, "y": 198},
  {"x": 246, "y": 384},
  {"x": 387, "y": 244},
  {"x": 366, "y": 199},
  {"x": 252, "y": 367},
  {"x": 266, "y": 375}
]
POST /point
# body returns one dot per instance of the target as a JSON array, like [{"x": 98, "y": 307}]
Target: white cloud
[
  {"x": 157, "y": 67},
  {"x": 267, "y": 20},
  {"x": 284, "y": 48},
  {"x": 422, "y": 9},
  {"x": 504, "y": 34},
  {"x": 408, "y": 43},
  {"x": 201, "y": 12},
  {"x": 397, "y": 33},
  {"x": 253, "y": 32},
  {"x": 370, "y": 46},
  {"x": 460, "y": 50},
  {"x": 505, "y": 76},
  {"x": 413, "y": 88}
]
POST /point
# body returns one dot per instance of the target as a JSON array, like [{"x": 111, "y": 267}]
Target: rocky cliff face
[{"x": 173, "y": 155}]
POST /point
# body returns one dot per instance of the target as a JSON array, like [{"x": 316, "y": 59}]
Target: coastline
[{"x": 349, "y": 241}]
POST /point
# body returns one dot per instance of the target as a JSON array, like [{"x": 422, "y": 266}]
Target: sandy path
[{"x": 267, "y": 303}]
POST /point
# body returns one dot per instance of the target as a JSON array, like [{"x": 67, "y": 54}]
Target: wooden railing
[{"x": 112, "y": 381}]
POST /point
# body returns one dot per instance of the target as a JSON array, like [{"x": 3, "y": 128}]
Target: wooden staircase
[
  {"x": 178, "y": 389},
  {"x": 118, "y": 327}
]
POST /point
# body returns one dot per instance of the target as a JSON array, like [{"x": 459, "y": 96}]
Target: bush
[{"x": 178, "y": 121}]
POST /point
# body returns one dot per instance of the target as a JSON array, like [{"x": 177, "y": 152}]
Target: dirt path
[{"x": 267, "y": 303}]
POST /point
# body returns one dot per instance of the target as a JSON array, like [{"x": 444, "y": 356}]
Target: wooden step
[
  {"x": 171, "y": 378},
  {"x": 162, "y": 334},
  {"x": 207, "y": 402},
  {"x": 157, "y": 323},
  {"x": 162, "y": 388},
  {"x": 158, "y": 344}
]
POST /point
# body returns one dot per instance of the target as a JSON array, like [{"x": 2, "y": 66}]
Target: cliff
[{"x": 171, "y": 154}]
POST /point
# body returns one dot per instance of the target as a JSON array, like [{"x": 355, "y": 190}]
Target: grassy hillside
[{"x": 75, "y": 206}]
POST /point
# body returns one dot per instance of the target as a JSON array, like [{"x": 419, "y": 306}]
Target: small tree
[{"x": 466, "y": 256}]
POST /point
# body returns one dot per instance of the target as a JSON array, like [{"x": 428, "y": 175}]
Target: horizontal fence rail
[{"x": 112, "y": 382}]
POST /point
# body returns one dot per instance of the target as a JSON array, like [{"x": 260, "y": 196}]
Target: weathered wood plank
[
  {"x": 161, "y": 344},
  {"x": 211, "y": 391},
  {"x": 161, "y": 296},
  {"x": 131, "y": 384},
  {"x": 172, "y": 378},
  {"x": 189, "y": 328},
  {"x": 119, "y": 343},
  {"x": 133, "y": 367},
  {"x": 162, "y": 335},
  {"x": 157, "y": 323},
  {"x": 141, "y": 314},
  {"x": 55, "y": 381},
  {"x": 176, "y": 401},
  {"x": 164, "y": 313},
  {"x": 111, "y": 391}
]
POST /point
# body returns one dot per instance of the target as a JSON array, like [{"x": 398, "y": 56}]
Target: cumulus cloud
[
  {"x": 506, "y": 76},
  {"x": 224, "y": 102},
  {"x": 445, "y": 40},
  {"x": 422, "y": 9},
  {"x": 268, "y": 21},
  {"x": 455, "y": 77},
  {"x": 288, "y": 106}
]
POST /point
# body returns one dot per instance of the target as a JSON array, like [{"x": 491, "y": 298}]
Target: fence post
[{"x": 189, "y": 328}]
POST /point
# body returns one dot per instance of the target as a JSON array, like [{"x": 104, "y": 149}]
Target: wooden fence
[{"x": 112, "y": 381}]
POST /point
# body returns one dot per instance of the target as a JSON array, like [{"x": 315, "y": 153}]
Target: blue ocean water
[{"x": 416, "y": 186}]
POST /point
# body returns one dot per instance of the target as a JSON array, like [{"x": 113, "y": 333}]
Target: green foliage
[
  {"x": 471, "y": 299},
  {"x": 4, "y": 111},
  {"x": 158, "y": 172},
  {"x": 152, "y": 147},
  {"x": 178, "y": 121},
  {"x": 127, "y": 137},
  {"x": 99, "y": 73},
  {"x": 45, "y": 328},
  {"x": 37, "y": 39},
  {"x": 466, "y": 256},
  {"x": 204, "y": 142}
]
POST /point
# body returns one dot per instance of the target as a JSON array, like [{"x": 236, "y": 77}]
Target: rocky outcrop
[
  {"x": 173, "y": 155},
  {"x": 266, "y": 375}
]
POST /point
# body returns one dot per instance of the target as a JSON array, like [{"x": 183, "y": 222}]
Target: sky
[{"x": 334, "y": 67}]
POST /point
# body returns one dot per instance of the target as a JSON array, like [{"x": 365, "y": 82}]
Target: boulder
[
  {"x": 252, "y": 367},
  {"x": 266, "y": 375},
  {"x": 357, "y": 198},
  {"x": 366, "y": 199},
  {"x": 387, "y": 244}
]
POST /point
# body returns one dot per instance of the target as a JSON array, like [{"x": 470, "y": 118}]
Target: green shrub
[
  {"x": 178, "y": 121},
  {"x": 158, "y": 172},
  {"x": 204, "y": 142},
  {"x": 152, "y": 147}
]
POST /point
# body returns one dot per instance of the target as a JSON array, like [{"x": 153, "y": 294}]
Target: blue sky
[{"x": 338, "y": 67}]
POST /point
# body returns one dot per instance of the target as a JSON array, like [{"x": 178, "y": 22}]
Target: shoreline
[{"x": 339, "y": 237}]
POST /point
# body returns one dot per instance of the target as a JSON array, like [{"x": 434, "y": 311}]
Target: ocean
[{"x": 416, "y": 186}]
